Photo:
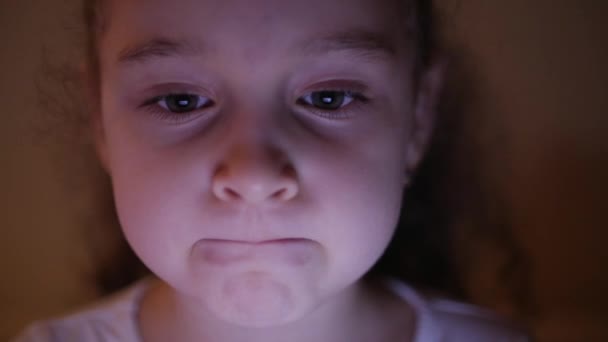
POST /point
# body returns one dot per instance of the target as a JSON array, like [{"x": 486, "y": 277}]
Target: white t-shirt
[{"x": 114, "y": 320}]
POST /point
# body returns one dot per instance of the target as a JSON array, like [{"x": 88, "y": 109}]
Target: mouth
[
  {"x": 222, "y": 252},
  {"x": 256, "y": 242}
]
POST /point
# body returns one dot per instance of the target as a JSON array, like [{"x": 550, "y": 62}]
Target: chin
[{"x": 258, "y": 299}]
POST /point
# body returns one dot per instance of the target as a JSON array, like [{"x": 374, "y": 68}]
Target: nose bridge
[
  {"x": 250, "y": 153},
  {"x": 250, "y": 141}
]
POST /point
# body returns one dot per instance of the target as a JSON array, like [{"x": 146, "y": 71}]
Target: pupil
[
  {"x": 182, "y": 103},
  {"x": 328, "y": 99}
]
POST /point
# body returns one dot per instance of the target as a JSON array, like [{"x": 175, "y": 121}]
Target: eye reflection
[
  {"x": 328, "y": 99},
  {"x": 183, "y": 103}
]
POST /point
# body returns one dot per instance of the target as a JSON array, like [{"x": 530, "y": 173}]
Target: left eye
[
  {"x": 328, "y": 99},
  {"x": 183, "y": 103}
]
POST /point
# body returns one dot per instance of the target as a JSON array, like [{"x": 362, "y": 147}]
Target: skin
[{"x": 259, "y": 211}]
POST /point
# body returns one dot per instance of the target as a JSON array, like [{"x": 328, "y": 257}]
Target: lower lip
[{"x": 224, "y": 252}]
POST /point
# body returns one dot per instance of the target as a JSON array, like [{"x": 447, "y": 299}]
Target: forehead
[{"x": 254, "y": 26}]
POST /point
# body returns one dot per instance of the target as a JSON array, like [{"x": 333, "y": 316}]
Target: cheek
[
  {"x": 157, "y": 199},
  {"x": 357, "y": 233},
  {"x": 359, "y": 197},
  {"x": 364, "y": 222},
  {"x": 146, "y": 216}
]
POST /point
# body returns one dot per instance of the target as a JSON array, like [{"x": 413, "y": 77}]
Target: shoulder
[
  {"x": 443, "y": 320},
  {"x": 465, "y": 322},
  {"x": 111, "y": 319}
]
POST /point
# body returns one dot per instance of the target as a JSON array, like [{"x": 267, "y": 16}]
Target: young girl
[{"x": 258, "y": 152}]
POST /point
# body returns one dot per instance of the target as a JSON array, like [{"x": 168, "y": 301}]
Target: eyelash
[
  {"x": 344, "y": 111},
  {"x": 355, "y": 99},
  {"x": 154, "y": 107}
]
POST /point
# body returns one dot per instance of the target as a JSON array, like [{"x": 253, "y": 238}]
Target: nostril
[
  {"x": 224, "y": 192},
  {"x": 230, "y": 194},
  {"x": 288, "y": 190},
  {"x": 254, "y": 185},
  {"x": 279, "y": 194}
]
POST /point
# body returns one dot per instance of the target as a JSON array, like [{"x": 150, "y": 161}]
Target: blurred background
[{"x": 535, "y": 115}]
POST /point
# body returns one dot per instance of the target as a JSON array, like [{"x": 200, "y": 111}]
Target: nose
[{"x": 256, "y": 174}]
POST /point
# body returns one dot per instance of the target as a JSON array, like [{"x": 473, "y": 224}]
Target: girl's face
[{"x": 258, "y": 149}]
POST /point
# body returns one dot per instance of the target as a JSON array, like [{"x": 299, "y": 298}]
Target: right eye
[
  {"x": 329, "y": 100},
  {"x": 182, "y": 103}
]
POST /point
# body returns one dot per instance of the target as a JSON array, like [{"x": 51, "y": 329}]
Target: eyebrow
[
  {"x": 362, "y": 42},
  {"x": 367, "y": 44},
  {"x": 159, "y": 47}
]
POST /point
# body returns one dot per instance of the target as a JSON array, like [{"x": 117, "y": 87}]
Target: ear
[
  {"x": 428, "y": 93},
  {"x": 93, "y": 107}
]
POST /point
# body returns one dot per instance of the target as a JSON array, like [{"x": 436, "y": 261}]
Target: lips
[{"x": 290, "y": 251}]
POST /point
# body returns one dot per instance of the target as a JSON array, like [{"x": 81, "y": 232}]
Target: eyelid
[
  {"x": 356, "y": 89},
  {"x": 354, "y": 86},
  {"x": 347, "y": 93},
  {"x": 159, "y": 98},
  {"x": 347, "y": 111},
  {"x": 152, "y": 106}
]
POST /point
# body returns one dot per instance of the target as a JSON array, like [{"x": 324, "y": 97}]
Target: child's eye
[
  {"x": 333, "y": 104},
  {"x": 182, "y": 103},
  {"x": 328, "y": 99},
  {"x": 177, "y": 107}
]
